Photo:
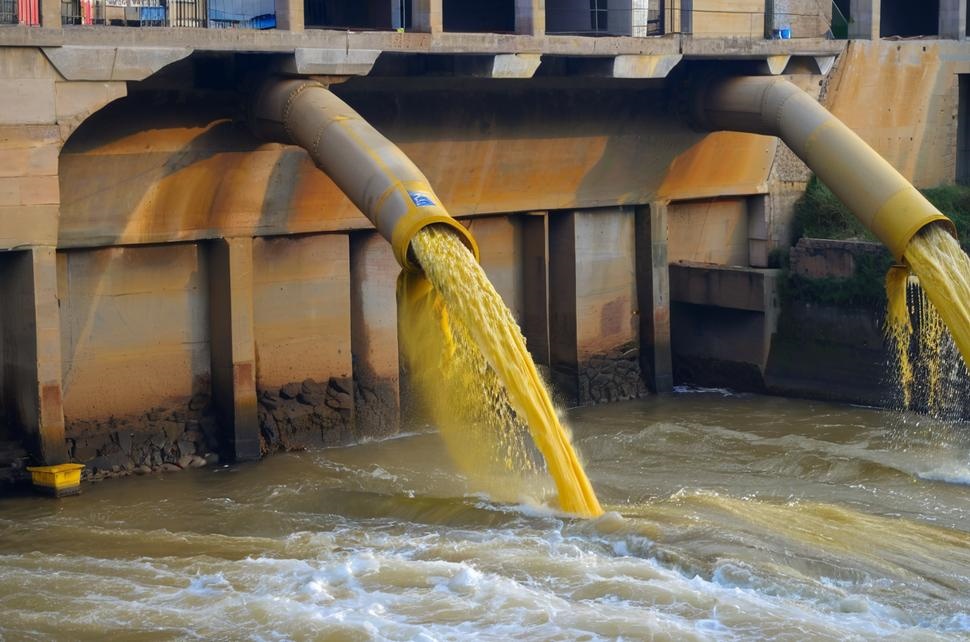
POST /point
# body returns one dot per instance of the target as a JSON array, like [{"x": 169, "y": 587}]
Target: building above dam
[{"x": 173, "y": 285}]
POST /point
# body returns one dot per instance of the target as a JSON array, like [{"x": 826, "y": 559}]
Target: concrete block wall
[{"x": 593, "y": 324}]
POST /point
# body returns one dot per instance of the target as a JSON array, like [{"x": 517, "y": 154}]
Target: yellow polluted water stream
[
  {"x": 469, "y": 361},
  {"x": 938, "y": 300},
  {"x": 943, "y": 269}
]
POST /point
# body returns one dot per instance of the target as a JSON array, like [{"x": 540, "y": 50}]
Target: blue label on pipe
[{"x": 421, "y": 199}]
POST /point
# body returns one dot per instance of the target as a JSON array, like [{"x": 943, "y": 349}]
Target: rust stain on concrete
[{"x": 722, "y": 164}]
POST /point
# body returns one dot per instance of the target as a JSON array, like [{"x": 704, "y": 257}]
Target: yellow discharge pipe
[
  {"x": 884, "y": 201},
  {"x": 377, "y": 177}
]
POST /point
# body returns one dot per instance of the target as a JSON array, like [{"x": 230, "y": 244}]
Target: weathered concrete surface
[
  {"x": 112, "y": 63},
  {"x": 594, "y": 331},
  {"x": 187, "y": 173},
  {"x": 865, "y": 18},
  {"x": 311, "y": 339},
  {"x": 701, "y": 170},
  {"x": 129, "y": 314},
  {"x": 426, "y": 36},
  {"x": 724, "y": 287},
  {"x": 829, "y": 352},
  {"x": 499, "y": 241},
  {"x": 827, "y": 259},
  {"x": 331, "y": 62},
  {"x": 722, "y": 321},
  {"x": 902, "y": 98},
  {"x": 232, "y": 345},
  {"x": 709, "y": 231},
  {"x": 31, "y": 378},
  {"x": 303, "y": 351},
  {"x": 653, "y": 295},
  {"x": 374, "y": 345},
  {"x": 953, "y": 19},
  {"x": 535, "y": 285},
  {"x": 736, "y": 18}
]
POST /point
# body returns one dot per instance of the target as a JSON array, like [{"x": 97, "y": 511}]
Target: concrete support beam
[
  {"x": 289, "y": 15},
  {"x": 373, "y": 336},
  {"x": 232, "y": 344},
  {"x": 535, "y": 285},
  {"x": 864, "y": 19},
  {"x": 645, "y": 66},
  {"x": 515, "y": 65},
  {"x": 30, "y": 334},
  {"x": 331, "y": 62},
  {"x": 594, "y": 330},
  {"x": 112, "y": 63},
  {"x": 530, "y": 17},
  {"x": 774, "y": 65},
  {"x": 427, "y": 16},
  {"x": 953, "y": 19},
  {"x": 653, "y": 296}
]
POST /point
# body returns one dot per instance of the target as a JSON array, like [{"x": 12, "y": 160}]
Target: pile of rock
[
  {"x": 612, "y": 377},
  {"x": 162, "y": 439},
  {"x": 306, "y": 415}
]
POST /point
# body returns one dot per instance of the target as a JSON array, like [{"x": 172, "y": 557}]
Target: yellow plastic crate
[{"x": 59, "y": 480}]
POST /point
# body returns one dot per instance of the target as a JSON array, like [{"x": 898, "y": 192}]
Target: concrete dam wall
[{"x": 176, "y": 286}]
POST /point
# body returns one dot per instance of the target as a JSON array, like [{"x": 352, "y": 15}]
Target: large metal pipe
[
  {"x": 372, "y": 171},
  {"x": 885, "y": 202}
]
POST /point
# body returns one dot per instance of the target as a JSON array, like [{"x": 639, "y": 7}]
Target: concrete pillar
[
  {"x": 594, "y": 330},
  {"x": 864, "y": 19},
  {"x": 50, "y": 14},
  {"x": 373, "y": 335},
  {"x": 427, "y": 16},
  {"x": 289, "y": 15},
  {"x": 30, "y": 330},
  {"x": 232, "y": 344},
  {"x": 499, "y": 243},
  {"x": 535, "y": 285},
  {"x": 953, "y": 19},
  {"x": 653, "y": 295},
  {"x": 530, "y": 17}
]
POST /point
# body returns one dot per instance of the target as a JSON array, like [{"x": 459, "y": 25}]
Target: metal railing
[
  {"x": 756, "y": 25},
  {"x": 656, "y": 17},
  {"x": 8, "y": 12},
  {"x": 215, "y": 14}
]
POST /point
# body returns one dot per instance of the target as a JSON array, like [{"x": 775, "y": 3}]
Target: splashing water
[
  {"x": 930, "y": 372},
  {"x": 899, "y": 329},
  {"x": 464, "y": 397},
  {"x": 944, "y": 273},
  {"x": 480, "y": 382}
]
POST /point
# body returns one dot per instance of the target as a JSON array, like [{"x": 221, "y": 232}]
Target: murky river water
[{"x": 733, "y": 517}]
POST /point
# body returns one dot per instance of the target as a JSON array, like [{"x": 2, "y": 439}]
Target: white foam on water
[
  {"x": 949, "y": 472},
  {"x": 554, "y": 582}
]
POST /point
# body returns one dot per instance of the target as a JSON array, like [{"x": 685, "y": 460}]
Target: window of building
[
  {"x": 381, "y": 15},
  {"x": 486, "y": 16},
  {"x": 907, "y": 19}
]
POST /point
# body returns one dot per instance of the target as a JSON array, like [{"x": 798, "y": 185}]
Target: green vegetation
[
  {"x": 819, "y": 214},
  {"x": 866, "y": 288},
  {"x": 954, "y": 201}
]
